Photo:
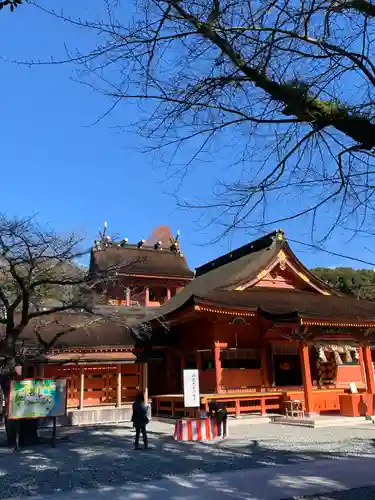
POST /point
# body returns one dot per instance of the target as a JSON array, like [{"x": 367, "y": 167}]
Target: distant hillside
[{"x": 357, "y": 282}]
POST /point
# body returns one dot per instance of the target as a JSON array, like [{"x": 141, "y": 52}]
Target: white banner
[{"x": 191, "y": 389}]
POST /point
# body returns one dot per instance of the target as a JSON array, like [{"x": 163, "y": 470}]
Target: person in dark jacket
[
  {"x": 218, "y": 412},
  {"x": 140, "y": 420}
]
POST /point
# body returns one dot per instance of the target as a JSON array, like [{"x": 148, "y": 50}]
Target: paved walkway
[
  {"x": 268, "y": 483},
  {"x": 102, "y": 459}
]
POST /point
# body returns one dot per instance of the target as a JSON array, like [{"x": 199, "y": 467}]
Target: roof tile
[{"x": 143, "y": 261}]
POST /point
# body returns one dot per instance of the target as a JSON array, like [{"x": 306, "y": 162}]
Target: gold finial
[
  {"x": 280, "y": 235},
  {"x": 175, "y": 243}
]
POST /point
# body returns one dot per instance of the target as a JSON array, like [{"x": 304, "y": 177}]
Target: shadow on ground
[{"x": 103, "y": 458}]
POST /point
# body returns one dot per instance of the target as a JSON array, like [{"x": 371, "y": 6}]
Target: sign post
[
  {"x": 35, "y": 399},
  {"x": 191, "y": 389}
]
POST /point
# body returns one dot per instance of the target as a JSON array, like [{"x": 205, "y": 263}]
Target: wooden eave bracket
[
  {"x": 224, "y": 311},
  {"x": 338, "y": 324}
]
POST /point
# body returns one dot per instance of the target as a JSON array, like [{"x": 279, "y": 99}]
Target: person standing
[
  {"x": 218, "y": 412},
  {"x": 140, "y": 420}
]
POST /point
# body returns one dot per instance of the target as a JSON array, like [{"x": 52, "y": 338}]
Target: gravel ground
[
  {"x": 95, "y": 457},
  {"x": 365, "y": 493}
]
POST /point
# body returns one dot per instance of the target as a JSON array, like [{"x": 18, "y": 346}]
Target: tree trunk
[{"x": 28, "y": 428}]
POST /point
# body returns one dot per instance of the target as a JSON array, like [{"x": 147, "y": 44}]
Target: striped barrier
[{"x": 195, "y": 429}]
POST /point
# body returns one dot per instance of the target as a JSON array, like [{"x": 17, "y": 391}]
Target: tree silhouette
[{"x": 282, "y": 92}]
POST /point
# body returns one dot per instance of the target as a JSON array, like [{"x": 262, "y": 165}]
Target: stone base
[
  {"x": 251, "y": 419},
  {"x": 232, "y": 419},
  {"x": 321, "y": 421},
  {"x": 92, "y": 416},
  {"x": 99, "y": 415}
]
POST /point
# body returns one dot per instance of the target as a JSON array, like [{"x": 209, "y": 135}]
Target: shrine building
[
  {"x": 99, "y": 358},
  {"x": 148, "y": 273},
  {"x": 262, "y": 330}
]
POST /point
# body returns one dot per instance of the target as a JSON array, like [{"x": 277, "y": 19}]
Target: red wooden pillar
[
  {"x": 238, "y": 408},
  {"x": 218, "y": 371},
  {"x": 168, "y": 369},
  {"x": 118, "y": 386},
  {"x": 306, "y": 378},
  {"x": 128, "y": 296},
  {"x": 147, "y": 297},
  {"x": 217, "y": 367},
  {"x": 82, "y": 388},
  {"x": 198, "y": 360},
  {"x": 265, "y": 367},
  {"x": 168, "y": 294},
  {"x": 183, "y": 366},
  {"x": 183, "y": 360},
  {"x": 369, "y": 370},
  {"x": 361, "y": 365},
  {"x": 144, "y": 368}
]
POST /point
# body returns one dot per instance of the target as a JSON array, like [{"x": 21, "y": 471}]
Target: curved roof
[
  {"x": 145, "y": 261},
  {"x": 81, "y": 330},
  {"x": 216, "y": 283},
  {"x": 245, "y": 263},
  {"x": 293, "y": 303}
]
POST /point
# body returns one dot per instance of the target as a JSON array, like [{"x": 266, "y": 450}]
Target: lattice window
[
  {"x": 287, "y": 350},
  {"x": 241, "y": 358}
]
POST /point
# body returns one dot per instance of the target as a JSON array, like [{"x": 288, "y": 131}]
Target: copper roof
[
  {"x": 233, "y": 269},
  {"x": 144, "y": 261},
  {"x": 227, "y": 274},
  {"x": 256, "y": 252},
  {"x": 278, "y": 303},
  {"x": 216, "y": 281},
  {"x": 88, "y": 331},
  {"x": 243, "y": 264}
]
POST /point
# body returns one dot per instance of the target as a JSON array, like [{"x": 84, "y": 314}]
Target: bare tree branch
[
  {"x": 40, "y": 280},
  {"x": 12, "y": 4},
  {"x": 281, "y": 92}
]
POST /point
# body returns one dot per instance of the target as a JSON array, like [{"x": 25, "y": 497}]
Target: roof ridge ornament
[
  {"x": 104, "y": 239},
  {"x": 280, "y": 235},
  {"x": 175, "y": 243}
]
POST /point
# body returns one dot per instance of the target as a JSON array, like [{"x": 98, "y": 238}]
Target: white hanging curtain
[{"x": 350, "y": 351}]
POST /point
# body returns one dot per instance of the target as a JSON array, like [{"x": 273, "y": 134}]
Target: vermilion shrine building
[
  {"x": 262, "y": 329},
  {"x": 100, "y": 360},
  {"x": 258, "y": 325}
]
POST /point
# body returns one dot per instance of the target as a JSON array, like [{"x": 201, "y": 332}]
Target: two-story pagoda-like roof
[
  {"x": 150, "y": 258},
  {"x": 266, "y": 278}
]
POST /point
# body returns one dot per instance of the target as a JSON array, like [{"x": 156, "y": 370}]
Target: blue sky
[{"x": 76, "y": 175}]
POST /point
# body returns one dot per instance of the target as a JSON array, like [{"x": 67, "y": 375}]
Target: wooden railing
[
  {"x": 324, "y": 400},
  {"x": 236, "y": 404}
]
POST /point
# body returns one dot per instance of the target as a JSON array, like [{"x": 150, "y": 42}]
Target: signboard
[
  {"x": 353, "y": 387},
  {"x": 191, "y": 389},
  {"x": 37, "y": 398}
]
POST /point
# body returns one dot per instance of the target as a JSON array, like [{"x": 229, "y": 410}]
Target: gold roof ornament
[
  {"x": 280, "y": 235},
  {"x": 175, "y": 243}
]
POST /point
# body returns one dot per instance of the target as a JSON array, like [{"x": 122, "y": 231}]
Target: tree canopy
[
  {"x": 46, "y": 295},
  {"x": 12, "y": 4},
  {"x": 357, "y": 282},
  {"x": 40, "y": 279},
  {"x": 39, "y": 276}
]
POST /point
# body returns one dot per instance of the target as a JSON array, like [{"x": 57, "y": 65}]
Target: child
[{"x": 140, "y": 420}]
